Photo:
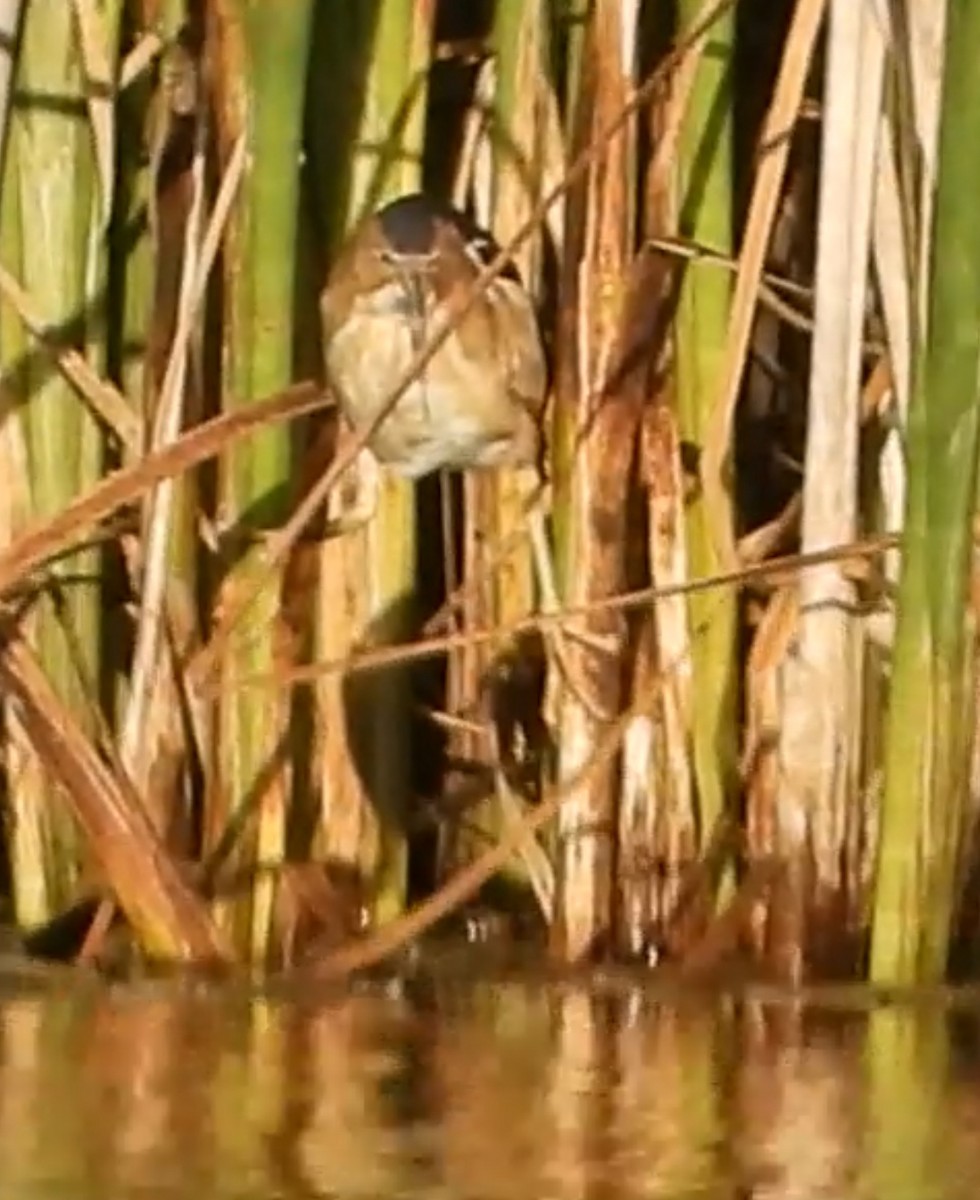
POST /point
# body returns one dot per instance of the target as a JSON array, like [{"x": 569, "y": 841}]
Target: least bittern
[{"x": 479, "y": 401}]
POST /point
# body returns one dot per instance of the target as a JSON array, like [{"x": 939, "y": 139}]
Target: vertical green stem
[
  {"x": 926, "y": 768},
  {"x": 705, "y": 215},
  {"x": 368, "y": 109},
  {"x": 63, "y": 269},
  {"x": 265, "y": 54}
]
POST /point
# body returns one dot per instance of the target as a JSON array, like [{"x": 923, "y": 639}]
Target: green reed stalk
[
  {"x": 704, "y": 198},
  {"x": 519, "y": 100},
  {"x": 571, "y": 23},
  {"x": 367, "y": 109},
  {"x": 63, "y": 269},
  {"x": 930, "y": 717},
  {"x": 26, "y": 847},
  {"x": 264, "y": 54}
]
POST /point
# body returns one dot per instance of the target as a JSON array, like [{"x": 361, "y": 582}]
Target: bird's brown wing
[{"x": 519, "y": 345}]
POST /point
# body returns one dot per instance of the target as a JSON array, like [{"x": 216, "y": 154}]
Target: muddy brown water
[{"x": 452, "y": 1083}]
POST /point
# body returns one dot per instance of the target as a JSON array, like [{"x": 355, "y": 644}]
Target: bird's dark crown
[{"x": 410, "y": 226}]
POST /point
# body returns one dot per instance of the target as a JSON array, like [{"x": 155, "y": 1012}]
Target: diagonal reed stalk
[{"x": 168, "y": 919}]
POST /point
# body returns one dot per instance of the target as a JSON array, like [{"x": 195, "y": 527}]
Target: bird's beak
[
  {"x": 413, "y": 283},
  {"x": 411, "y": 273}
]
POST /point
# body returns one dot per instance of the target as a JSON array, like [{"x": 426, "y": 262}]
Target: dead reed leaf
[
  {"x": 50, "y": 537},
  {"x": 169, "y": 920},
  {"x": 198, "y": 260},
  {"x": 756, "y": 546},
  {"x": 430, "y": 647}
]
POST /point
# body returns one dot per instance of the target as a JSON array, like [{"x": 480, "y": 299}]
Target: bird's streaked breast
[{"x": 457, "y": 410}]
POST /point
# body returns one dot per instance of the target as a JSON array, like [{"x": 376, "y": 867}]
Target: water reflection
[{"x": 484, "y": 1091}]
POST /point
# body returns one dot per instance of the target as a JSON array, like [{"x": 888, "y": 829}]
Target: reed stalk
[
  {"x": 571, "y": 26},
  {"x": 658, "y": 817},
  {"x": 262, "y": 51},
  {"x": 367, "y": 112},
  {"x": 131, "y": 264},
  {"x": 821, "y": 726},
  {"x": 704, "y": 212},
  {"x": 931, "y": 710},
  {"x": 596, "y": 422},
  {"x": 903, "y": 227},
  {"x": 63, "y": 268},
  {"x": 11, "y": 15},
  {"x": 904, "y": 201},
  {"x": 518, "y": 110}
]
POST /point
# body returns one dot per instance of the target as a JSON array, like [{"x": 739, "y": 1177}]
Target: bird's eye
[{"x": 481, "y": 248}]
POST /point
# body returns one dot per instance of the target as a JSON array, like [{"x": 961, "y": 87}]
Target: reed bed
[{"x": 239, "y": 728}]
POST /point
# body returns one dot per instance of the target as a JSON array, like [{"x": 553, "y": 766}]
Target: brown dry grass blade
[
  {"x": 775, "y": 571},
  {"x": 46, "y": 539},
  {"x": 170, "y": 921}
]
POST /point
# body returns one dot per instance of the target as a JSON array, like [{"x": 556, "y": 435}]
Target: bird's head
[{"x": 407, "y": 257}]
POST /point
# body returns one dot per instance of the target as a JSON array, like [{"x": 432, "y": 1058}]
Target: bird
[
  {"x": 479, "y": 402},
  {"x": 396, "y": 284}
]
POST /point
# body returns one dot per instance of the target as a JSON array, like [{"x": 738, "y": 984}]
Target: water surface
[{"x": 480, "y": 1089}]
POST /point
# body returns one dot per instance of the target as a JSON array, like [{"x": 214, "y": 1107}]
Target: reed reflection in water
[{"x": 445, "y": 1089}]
